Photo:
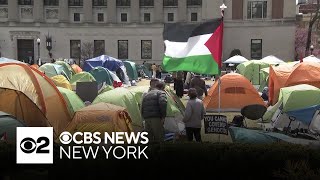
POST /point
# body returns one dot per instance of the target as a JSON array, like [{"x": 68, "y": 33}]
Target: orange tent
[
  {"x": 236, "y": 92},
  {"x": 76, "y": 68},
  {"x": 31, "y": 97},
  {"x": 35, "y": 66},
  {"x": 278, "y": 76},
  {"x": 101, "y": 117},
  {"x": 302, "y": 73}
]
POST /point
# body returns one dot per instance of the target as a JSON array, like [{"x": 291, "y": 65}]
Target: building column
[
  {"x": 182, "y": 10},
  {"x": 13, "y": 10},
  {"x": 158, "y": 11},
  {"x": 63, "y": 11},
  {"x": 135, "y": 11},
  {"x": 88, "y": 12},
  {"x": 38, "y": 10},
  {"x": 112, "y": 11}
]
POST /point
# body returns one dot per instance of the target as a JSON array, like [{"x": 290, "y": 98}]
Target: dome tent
[
  {"x": 73, "y": 101},
  {"x": 236, "y": 92},
  {"x": 236, "y": 60},
  {"x": 61, "y": 81},
  {"x": 8, "y": 125},
  {"x": 32, "y": 97}
]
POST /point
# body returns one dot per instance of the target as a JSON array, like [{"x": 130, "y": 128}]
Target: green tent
[
  {"x": 81, "y": 77},
  {"x": 251, "y": 70},
  {"x": 173, "y": 108},
  {"x": 73, "y": 101},
  {"x": 124, "y": 98},
  {"x": 294, "y": 98},
  {"x": 51, "y": 70},
  {"x": 105, "y": 89},
  {"x": 131, "y": 70},
  {"x": 101, "y": 75},
  {"x": 8, "y": 125},
  {"x": 144, "y": 69},
  {"x": 66, "y": 68}
]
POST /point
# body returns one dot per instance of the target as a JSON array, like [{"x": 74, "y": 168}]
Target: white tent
[
  {"x": 311, "y": 58},
  {"x": 315, "y": 123},
  {"x": 235, "y": 60},
  {"x": 272, "y": 60}
]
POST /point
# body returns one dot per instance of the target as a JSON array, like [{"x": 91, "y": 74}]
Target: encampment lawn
[{"x": 209, "y": 137}]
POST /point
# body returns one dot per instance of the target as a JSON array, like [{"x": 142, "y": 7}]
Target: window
[
  {"x": 75, "y": 2},
  {"x": 257, "y": 9},
  {"x": 235, "y": 90},
  {"x": 170, "y": 17},
  {"x": 99, "y": 47},
  {"x": 76, "y": 17},
  {"x": 194, "y": 2},
  {"x": 100, "y": 17},
  {"x": 256, "y": 48},
  {"x": 146, "y": 49},
  {"x": 170, "y": 2},
  {"x": 3, "y": 2},
  {"x": 194, "y": 16},
  {"x": 146, "y": 17},
  {"x": 99, "y": 3},
  {"x": 75, "y": 49},
  {"x": 123, "y": 2},
  {"x": 25, "y": 2},
  {"x": 146, "y": 3},
  {"x": 123, "y": 49},
  {"x": 124, "y": 17},
  {"x": 51, "y": 2}
]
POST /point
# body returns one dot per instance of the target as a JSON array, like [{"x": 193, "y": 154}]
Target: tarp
[
  {"x": 294, "y": 98},
  {"x": 236, "y": 60},
  {"x": 32, "y": 97},
  {"x": 66, "y": 68},
  {"x": 101, "y": 117},
  {"x": 81, "y": 77},
  {"x": 73, "y": 101},
  {"x": 124, "y": 98},
  {"x": 102, "y": 75},
  {"x": 76, "y": 68},
  {"x": 61, "y": 81},
  {"x": 131, "y": 70},
  {"x": 236, "y": 92},
  {"x": 8, "y": 125},
  {"x": 105, "y": 61},
  {"x": 304, "y": 115}
]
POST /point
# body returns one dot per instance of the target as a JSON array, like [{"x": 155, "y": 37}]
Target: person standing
[
  {"x": 194, "y": 113},
  {"x": 154, "y": 70},
  {"x": 200, "y": 85},
  {"x": 154, "y": 111},
  {"x": 179, "y": 84}
]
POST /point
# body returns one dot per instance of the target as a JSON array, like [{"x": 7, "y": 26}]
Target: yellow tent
[
  {"x": 31, "y": 97},
  {"x": 101, "y": 117},
  {"x": 61, "y": 81}
]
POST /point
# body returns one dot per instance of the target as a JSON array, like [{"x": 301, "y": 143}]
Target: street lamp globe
[
  {"x": 311, "y": 47},
  {"x": 223, "y": 6},
  {"x": 38, "y": 40}
]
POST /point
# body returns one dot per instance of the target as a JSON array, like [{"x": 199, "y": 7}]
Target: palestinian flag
[{"x": 194, "y": 48}]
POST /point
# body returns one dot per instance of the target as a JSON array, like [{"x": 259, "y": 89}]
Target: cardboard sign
[
  {"x": 87, "y": 91},
  {"x": 215, "y": 124}
]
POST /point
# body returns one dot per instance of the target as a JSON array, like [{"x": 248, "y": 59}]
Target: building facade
[{"x": 132, "y": 29}]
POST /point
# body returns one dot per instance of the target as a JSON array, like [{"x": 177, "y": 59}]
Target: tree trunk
[{"x": 311, "y": 23}]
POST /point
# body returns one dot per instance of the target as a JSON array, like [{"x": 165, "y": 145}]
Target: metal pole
[{"x": 38, "y": 53}]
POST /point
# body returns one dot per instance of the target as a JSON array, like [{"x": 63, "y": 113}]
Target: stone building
[{"x": 132, "y": 29}]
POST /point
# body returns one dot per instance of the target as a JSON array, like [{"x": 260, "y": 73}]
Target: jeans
[{"x": 193, "y": 132}]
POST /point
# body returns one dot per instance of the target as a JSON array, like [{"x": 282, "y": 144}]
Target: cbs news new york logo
[{"x": 34, "y": 145}]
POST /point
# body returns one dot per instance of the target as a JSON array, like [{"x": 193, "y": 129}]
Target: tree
[
  {"x": 301, "y": 43},
  {"x": 313, "y": 20},
  {"x": 87, "y": 50}
]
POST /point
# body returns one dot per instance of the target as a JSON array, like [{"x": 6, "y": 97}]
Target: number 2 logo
[{"x": 29, "y": 145}]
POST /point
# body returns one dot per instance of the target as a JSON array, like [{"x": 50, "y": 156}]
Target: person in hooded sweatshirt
[{"x": 194, "y": 113}]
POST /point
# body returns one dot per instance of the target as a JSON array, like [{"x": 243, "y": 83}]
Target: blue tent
[
  {"x": 304, "y": 115},
  {"x": 105, "y": 61}
]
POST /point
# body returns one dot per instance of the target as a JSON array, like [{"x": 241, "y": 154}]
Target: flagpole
[{"x": 222, "y": 7}]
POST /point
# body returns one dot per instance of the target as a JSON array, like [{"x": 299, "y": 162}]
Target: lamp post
[
  {"x": 79, "y": 48},
  {"x": 311, "y": 49},
  {"x": 38, "y": 42}
]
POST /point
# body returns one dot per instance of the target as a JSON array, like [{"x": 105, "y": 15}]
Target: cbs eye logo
[{"x": 29, "y": 145}]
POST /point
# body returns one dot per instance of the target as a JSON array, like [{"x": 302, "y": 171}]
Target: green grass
[{"x": 210, "y": 137}]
